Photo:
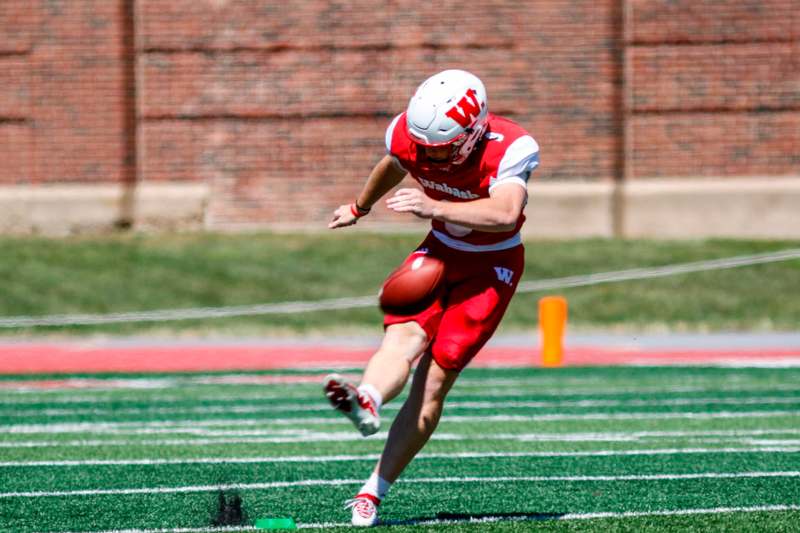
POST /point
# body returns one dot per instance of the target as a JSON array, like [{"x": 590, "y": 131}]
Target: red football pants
[{"x": 478, "y": 287}]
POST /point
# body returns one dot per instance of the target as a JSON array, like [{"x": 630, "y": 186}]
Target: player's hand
[
  {"x": 342, "y": 217},
  {"x": 412, "y": 201}
]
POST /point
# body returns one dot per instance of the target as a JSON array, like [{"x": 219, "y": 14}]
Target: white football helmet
[{"x": 449, "y": 109}]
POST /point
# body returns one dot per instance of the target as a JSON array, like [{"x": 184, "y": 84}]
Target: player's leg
[
  {"x": 418, "y": 417},
  {"x": 410, "y": 430},
  {"x": 388, "y": 370},
  {"x": 476, "y": 306},
  {"x": 405, "y": 338},
  {"x": 469, "y": 320},
  {"x": 473, "y": 311},
  {"x": 384, "y": 378}
]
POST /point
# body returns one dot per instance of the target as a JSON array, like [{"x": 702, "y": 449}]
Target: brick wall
[
  {"x": 284, "y": 112},
  {"x": 281, "y": 107},
  {"x": 713, "y": 88},
  {"x": 17, "y": 24},
  {"x": 63, "y": 103}
]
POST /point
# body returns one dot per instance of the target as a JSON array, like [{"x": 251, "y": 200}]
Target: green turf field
[{"x": 583, "y": 449}]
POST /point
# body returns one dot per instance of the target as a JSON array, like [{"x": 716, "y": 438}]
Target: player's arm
[
  {"x": 385, "y": 176},
  {"x": 497, "y": 213}
]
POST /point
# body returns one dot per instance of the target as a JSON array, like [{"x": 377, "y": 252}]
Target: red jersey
[{"x": 507, "y": 154}]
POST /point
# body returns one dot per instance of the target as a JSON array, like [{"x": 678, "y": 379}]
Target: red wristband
[{"x": 358, "y": 212}]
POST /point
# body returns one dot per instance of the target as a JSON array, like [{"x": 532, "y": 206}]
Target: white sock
[
  {"x": 376, "y": 486},
  {"x": 373, "y": 393}
]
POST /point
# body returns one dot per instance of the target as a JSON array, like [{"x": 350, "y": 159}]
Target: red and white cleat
[
  {"x": 365, "y": 510},
  {"x": 355, "y": 405}
]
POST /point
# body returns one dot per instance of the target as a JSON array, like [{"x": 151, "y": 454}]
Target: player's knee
[
  {"x": 408, "y": 339},
  {"x": 449, "y": 355}
]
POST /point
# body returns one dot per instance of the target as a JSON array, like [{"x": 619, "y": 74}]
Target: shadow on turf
[
  {"x": 229, "y": 511},
  {"x": 463, "y": 517}
]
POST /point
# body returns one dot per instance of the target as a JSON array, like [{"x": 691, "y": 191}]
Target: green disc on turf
[{"x": 275, "y": 523}]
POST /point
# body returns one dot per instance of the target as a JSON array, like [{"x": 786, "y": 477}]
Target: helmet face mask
[{"x": 448, "y": 109}]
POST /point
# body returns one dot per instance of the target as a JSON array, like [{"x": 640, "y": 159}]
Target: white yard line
[
  {"x": 306, "y": 435},
  {"x": 681, "y": 512},
  {"x": 207, "y": 529},
  {"x": 320, "y": 437},
  {"x": 99, "y": 427},
  {"x": 557, "y": 417},
  {"x": 30, "y": 398},
  {"x": 451, "y": 404},
  {"x": 547, "y": 517},
  {"x": 257, "y": 436},
  {"x": 543, "y": 517},
  {"x": 764, "y": 400},
  {"x": 422, "y": 456},
  {"x": 30, "y": 385},
  {"x": 431, "y": 480},
  {"x": 738, "y": 362},
  {"x": 501, "y": 392}
]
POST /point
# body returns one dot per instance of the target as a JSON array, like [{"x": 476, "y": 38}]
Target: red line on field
[
  {"x": 36, "y": 358},
  {"x": 69, "y": 383},
  {"x": 58, "y": 358}
]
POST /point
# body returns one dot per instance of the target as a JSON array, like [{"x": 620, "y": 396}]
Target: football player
[{"x": 473, "y": 169}]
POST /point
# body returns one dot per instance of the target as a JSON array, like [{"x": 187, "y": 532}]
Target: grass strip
[{"x": 132, "y": 272}]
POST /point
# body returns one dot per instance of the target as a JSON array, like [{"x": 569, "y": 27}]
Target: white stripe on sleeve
[
  {"x": 390, "y": 133},
  {"x": 520, "y": 159}
]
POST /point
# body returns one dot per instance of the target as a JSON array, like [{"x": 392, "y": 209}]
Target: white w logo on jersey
[{"x": 505, "y": 275}]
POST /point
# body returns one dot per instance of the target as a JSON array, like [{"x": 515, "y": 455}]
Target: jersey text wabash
[{"x": 506, "y": 155}]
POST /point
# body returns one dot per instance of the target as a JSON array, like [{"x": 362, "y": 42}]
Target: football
[{"x": 412, "y": 287}]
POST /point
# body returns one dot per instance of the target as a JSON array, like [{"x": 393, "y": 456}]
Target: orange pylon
[{"x": 552, "y": 323}]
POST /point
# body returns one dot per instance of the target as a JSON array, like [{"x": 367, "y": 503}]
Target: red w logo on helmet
[{"x": 466, "y": 110}]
